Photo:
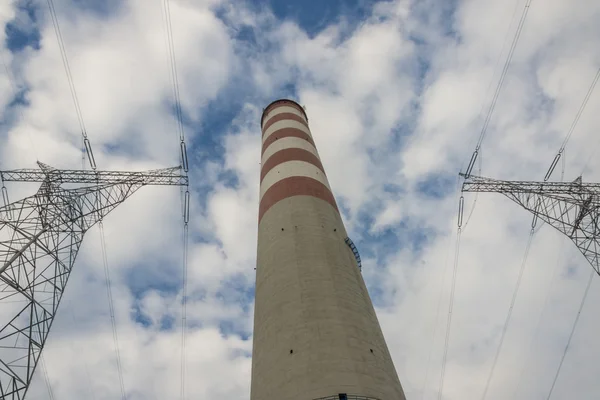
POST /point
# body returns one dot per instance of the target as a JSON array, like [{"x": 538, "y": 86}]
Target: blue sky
[{"x": 394, "y": 92}]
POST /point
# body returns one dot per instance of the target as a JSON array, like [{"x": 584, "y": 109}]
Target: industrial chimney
[{"x": 316, "y": 335}]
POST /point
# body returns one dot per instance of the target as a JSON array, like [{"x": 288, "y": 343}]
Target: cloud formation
[{"x": 396, "y": 100}]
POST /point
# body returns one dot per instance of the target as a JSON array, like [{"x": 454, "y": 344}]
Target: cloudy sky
[{"x": 396, "y": 93}]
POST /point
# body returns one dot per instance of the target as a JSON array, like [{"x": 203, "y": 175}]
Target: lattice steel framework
[
  {"x": 571, "y": 207},
  {"x": 39, "y": 240}
]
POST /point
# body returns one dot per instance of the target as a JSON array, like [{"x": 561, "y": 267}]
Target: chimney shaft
[{"x": 316, "y": 334}]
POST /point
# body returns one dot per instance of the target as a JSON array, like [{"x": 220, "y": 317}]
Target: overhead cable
[
  {"x": 498, "y": 88},
  {"x": 111, "y": 309},
  {"x": 184, "y": 309},
  {"x": 539, "y": 320},
  {"x": 451, "y": 303},
  {"x": 46, "y": 378},
  {"x": 573, "y": 125},
  {"x": 65, "y": 60},
  {"x": 439, "y": 307},
  {"x": 510, "y": 310},
  {"x": 185, "y": 196},
  {"x": 587, "y": 290}
]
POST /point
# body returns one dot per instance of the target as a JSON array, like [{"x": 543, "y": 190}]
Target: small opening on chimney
[
  {"x": 291, "y": 351},
  {"x": 335, "y": 229},
  {"x": 281, "y": 228},
  {"x": 371, "y": 350}
]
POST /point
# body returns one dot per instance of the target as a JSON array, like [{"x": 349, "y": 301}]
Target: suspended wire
[
  {"x": 451, "y": 304},
  {"x": 65, "y": 61},
  {"x": 496, "y": 93},
  {"x": 184, "y": 310},
  {"x": 535, "y": 217},
  {"x": 524, "y": 261},
  {"x": 461, "y": 205},
  {"x": 85, "y": 145},
  {"x": 476, "y": 195},
  {"x": 532, "y": 232},
  {"x": 46, "y": 378},
  {"x": 589, "y": 159},
  {"x": 111, "y": 308},
  {"x": 498, "y": 88},
  {"x": 439, "y": 307},
  {"x": 435, "y": 326},
  {"x": 573, "y": 125},
  {"x": 587, "y": 290},
  {"x": 185, "y": 196},
  {"x": 487, "y": 91},
  {"x": 582, "y": 107},
  {"x": 83, "y": 152},
  {"x": 551, "y": 169},
  {"x": 173, "y": 68},
  {"x": 508, "y": 316},
  {"x": 539, "y": 321},
  {"x": 547, "y": 176}
]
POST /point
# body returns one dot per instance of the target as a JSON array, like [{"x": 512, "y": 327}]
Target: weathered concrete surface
[{"x": 316, "y": 333}]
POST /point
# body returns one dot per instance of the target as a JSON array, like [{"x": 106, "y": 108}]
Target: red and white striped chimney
[{"x": 316, "y": 334}]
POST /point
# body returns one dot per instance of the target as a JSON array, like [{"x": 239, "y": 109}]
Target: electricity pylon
[
  {"x": 570, "y": 207},
  {"x": 39, "y": 239}
]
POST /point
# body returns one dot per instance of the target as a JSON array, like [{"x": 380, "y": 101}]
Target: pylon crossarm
[
  {"x": 559, "y": 189},
  {"x": 166, "y": 176},
  {"x": 572, "y": 208}
]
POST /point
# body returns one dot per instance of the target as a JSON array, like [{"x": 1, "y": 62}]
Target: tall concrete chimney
[{"x": 316, "y": 335}]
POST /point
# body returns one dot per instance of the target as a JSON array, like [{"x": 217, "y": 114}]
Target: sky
[{"x": 396, "y": 93}]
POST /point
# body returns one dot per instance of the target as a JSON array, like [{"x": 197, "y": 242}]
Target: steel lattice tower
[
  {"x": 570, "y": 207},
  {"x": 39, "y": 240}
]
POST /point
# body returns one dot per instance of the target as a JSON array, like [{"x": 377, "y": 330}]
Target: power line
[
  {"x": 87, "y": 150},
  {"x": 587, "y": 290},
  {"x": 184, "y": 309},
  {"x": 497, "y": 61},
  {"x": 539, "y": 321},
  {"x": 589, "y": 159},
  {"x": 546, "y": 178},
  {"x": 111, "y": 308},
  {"x": 435, "y": 326},
  {"x": 532, "y": 232},
  {"x": 573, "y": 125},
  {"x": 476, "y": 195},
  {"x": 498, "y": 88},
  {"x": 185, "y": 196},
  {"x": 437, "y": 314},
  {"x": 451, "y": 304},
  {"x": 470, "y": 167},
  {"x": 173, "y": 70},
  {"x": 551, "y": 169},
  {"x": 46, "y": 378},
  {"x": 508, "y": 316},
  {"x": 65, "y": 61}
]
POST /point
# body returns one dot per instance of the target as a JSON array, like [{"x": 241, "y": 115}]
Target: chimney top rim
[{"x": 295, "y": 103}]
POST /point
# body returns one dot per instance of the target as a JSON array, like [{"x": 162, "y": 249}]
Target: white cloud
[{"x": 396, "y": 100}]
